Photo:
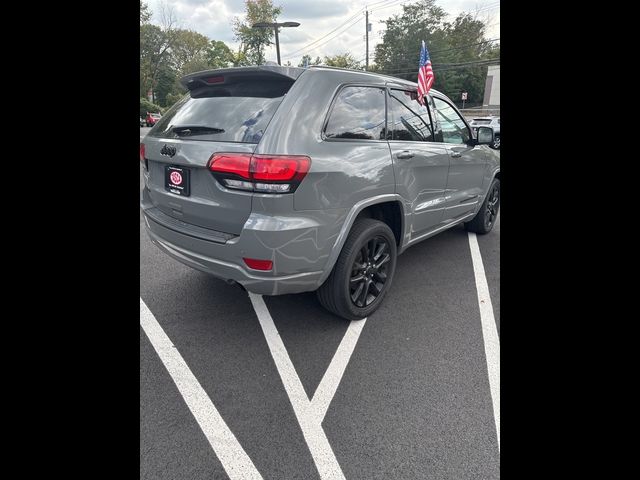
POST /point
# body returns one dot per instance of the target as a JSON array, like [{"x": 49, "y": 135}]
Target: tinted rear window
[{"x": 239, "y": 112}]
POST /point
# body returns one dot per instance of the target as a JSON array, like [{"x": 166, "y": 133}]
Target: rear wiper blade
[{"x": 189, "y": 130}]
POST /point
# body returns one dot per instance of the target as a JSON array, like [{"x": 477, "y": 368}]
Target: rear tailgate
[{"x": 225, "y": 111}]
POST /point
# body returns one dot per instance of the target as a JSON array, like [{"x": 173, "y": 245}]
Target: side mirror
[{"x": 485, "y": 136}]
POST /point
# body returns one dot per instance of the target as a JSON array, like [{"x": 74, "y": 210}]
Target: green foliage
[
  {"x": 307, "y": 58},
  {"x": 155, "y": 44},
  {"x": 145, "y": 13},
  {"x": 147, "y": 106},
  {"x": 344, "y": 60},
  {"x": 219, "y": 55},
  {"x": 254, "y": 40},
  {"x": 165, "y": 84},
  {"x": 188, "y": 47},
  {"x": 173, "y": 98},
  {"x": 450, "y": 44}
]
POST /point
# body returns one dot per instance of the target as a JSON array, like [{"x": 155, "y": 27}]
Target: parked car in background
[
  {"x": 152, "y": 118},
  {"x": 494, "y": 123},
  {"x": 288, "y": 180}
]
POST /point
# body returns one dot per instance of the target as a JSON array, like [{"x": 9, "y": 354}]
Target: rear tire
[
  {"x": 363, "y": 272},
  {"x": 485, "y": 219}
]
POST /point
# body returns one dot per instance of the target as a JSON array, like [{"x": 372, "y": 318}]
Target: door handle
[
  {"x": 405, "y": 155},
  {"x": 456, "y": 154}
]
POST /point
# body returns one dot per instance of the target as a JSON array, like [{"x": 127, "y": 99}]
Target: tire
[
  {"x": 496, "y": 143},
  {"x": 336, "y": 292},
  {"x": 485, "y": 219}
]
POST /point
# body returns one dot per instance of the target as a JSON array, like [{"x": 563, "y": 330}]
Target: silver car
[
  {"x": 287, "y": 180},
  {"x": 494, "y": 123}
]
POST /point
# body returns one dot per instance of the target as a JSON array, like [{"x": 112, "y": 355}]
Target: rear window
[
  {"x": 481, "y": 121},
  {"x": 239, "y": 112}
]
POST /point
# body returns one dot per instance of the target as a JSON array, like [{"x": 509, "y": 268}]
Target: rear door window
[{"x": 357, "y": 113}]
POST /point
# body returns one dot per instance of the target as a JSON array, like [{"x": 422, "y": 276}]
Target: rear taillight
[
  {"x": 260, "y": 173},
  {"x": 142, "y": 153},
  {"x": 230, "y": 163}
]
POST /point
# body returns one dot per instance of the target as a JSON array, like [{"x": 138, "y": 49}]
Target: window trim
[
  {"x": 464, "y": 120},
  {"x": 333, "y": 103},
  {"x": 431, "y": 126}
]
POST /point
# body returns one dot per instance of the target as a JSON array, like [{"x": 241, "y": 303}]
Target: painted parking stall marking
[
  {"x": 310, "y": 414},
  {"x": 489, "y": 330},
  {"x": 234, "y": 459}
]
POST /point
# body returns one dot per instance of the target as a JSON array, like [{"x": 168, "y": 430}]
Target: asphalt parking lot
[{"x": 408, "y": 393}]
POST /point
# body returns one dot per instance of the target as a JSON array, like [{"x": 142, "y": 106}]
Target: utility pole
[{"x": 366, "y": 21}]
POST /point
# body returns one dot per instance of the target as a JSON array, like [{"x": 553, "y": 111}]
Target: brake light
[
  {"x": 260, "y": 173},
  {"x": 142, "y": 153},
  {"x": 230, "y": 163},
  {"x": 212, "y": 80},
  {"x": 258, "y": 264}
]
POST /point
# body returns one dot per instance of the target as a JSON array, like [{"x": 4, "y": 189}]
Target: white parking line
[
  {"x": 307, "y": 414},
  {"x": 329, "y": 384},
  {"x": 489, "y": 329},
  {"x": 234, "y": 459}
]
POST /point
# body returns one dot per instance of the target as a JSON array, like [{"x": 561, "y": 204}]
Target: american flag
[{"x": 425, "y": 74}]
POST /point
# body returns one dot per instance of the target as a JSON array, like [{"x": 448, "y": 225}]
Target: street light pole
[
  {"x": 276, "y": 26},
  {"x": 277, "y": 44}
]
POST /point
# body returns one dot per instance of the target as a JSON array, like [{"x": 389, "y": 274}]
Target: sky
[{"x": 317, "y": 19}]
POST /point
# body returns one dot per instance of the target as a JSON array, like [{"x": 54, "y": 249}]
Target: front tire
[
  {"x": 363, "y": 272},
  {"x": 485, "y": 219}
]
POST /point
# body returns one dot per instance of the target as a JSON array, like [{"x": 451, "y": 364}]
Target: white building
[{"x": 492, "y": 87}]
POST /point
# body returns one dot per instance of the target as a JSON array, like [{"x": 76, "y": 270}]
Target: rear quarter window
[{"x": 358, "y": 113}]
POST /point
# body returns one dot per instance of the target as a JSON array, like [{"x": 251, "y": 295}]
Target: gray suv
[{"x": 288, "y": 180}]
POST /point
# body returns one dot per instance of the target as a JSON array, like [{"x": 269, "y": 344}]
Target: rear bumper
[{"x": 293, "y": 244}]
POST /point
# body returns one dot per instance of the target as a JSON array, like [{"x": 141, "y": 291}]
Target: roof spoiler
[{"x": 223, "y": 76}]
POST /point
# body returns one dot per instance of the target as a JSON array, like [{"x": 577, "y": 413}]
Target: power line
[
  {"x": 327, "y": 40},
  {"x": 383, "y": 4},
  {"x": 292, "y": 54},
  {"x": 442, "y": 68},
  {"x": 404, "y": 56},
  {"x": 399, "y": 60}
]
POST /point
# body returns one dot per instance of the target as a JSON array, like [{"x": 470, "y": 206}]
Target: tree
[
  {"x": 307, "y": 59},
  {"x": 188, "y": 47},
  {"x": 458, "y": 49},
  {"x": 165, "y": 84},
  {"x": 400, "y": 48},
  {"x": 345, "y": 60},
  {"x": 146, "y": 106},
  {"x": 145, "y": 13},
  {"x": 219, "y": 55},
  {"x": 155, "y": 44},
  {"x": 254, "y": 40}
]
